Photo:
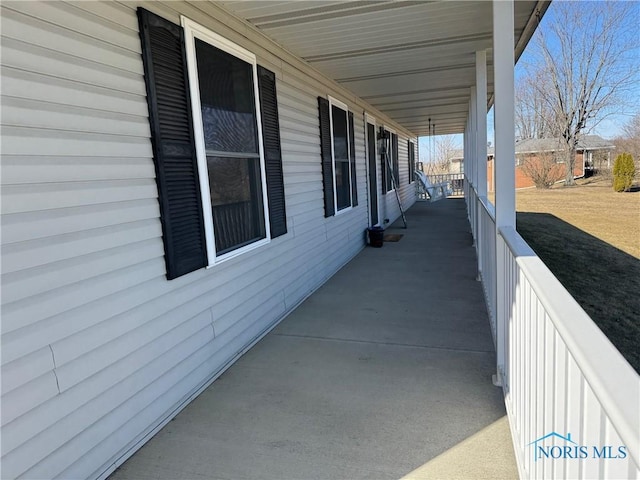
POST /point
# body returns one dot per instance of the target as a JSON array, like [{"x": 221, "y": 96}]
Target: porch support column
[
  {"x": 481, "y": 149},
  {"x": 504, "y": 163},
  {"x": 474, "y": 172},
  {"x": 466, "y": 166},
  {"x": 481, "y": 121}
]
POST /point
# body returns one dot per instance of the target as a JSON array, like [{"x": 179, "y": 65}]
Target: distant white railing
[
  {"x": 455, "y": 181},
  {"x": 467, "y": 195},
  {"x": 561, "y": 376}
]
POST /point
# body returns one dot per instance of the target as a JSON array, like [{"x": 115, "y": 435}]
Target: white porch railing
[
  {"x": 455, "y": 180},
  {"x": 487, "y": 252},
  {"x": 559, "y": 373}
]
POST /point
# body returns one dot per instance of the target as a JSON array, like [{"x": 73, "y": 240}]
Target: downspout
[{"x": 534, "y": 20}]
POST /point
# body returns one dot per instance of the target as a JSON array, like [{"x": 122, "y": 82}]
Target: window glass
[
  {"x": 236, "y": 201},
  {"x": 388, "y": 160},
  {"x": 232, "y": 150},
  {"x": 341, "y": 157},
  {"x": 227, "y": 101}
]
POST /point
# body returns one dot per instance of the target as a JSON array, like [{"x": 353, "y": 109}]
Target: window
[
  {"x": 411, "y": 154},
  {"x": 338, "y": 156},
  {"x": 224, "y": 93},
  {"x": 390, "y": 166},
  {"x": 216, "y": 143},
  {"x": 341, "y": 164}
]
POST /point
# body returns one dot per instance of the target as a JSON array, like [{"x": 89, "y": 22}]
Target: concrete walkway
[{"x": 384, "y": 372}]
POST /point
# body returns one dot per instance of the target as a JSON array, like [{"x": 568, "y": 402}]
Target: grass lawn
[{"x": 589, "y": 236}]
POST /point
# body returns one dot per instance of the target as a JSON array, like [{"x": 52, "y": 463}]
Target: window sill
[
  {"x": 236, "y": 253},
  {"x": 344, "y": 210}
]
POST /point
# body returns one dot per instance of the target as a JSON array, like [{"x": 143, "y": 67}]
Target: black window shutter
[
  {"x": 411, "y": 155},
  {"x": 327, "y": 158},
  {"x": 396, "y": 169},
  {"x": 413, "y": 160},
  {"x": 384, "y": 165},
  {"x": 352, "y": 155},
  {"x": 165, "y": 72},
  {"x": 272, "y": 151}
]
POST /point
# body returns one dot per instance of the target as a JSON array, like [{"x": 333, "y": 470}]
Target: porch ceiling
[{"x": 413, "y": 60}]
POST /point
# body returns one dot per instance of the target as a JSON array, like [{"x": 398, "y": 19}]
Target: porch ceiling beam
[
  {"x": 401, "y": 98},
  {"x": 443, "y": 128},
  {"x": 452, "y": 115},
  {"x": 328, "y": 12},
  {"x": 401, "y": 47},
  {"x": 420, "y": 122},
  {"x": 458, "y": 108},
  {"x": 431, "y": 93},
  {"x": 451, "y": 131},
  {"x": 435, "y": 102},
  {"x": 404, "y": 73},
  {"x": 390, "y": 62},
  {"x": 448, "y": 124},
  {"x": 443, "y": 116}
]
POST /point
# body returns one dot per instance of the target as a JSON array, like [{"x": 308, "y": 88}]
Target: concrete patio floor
[{"x": 384, "y": 372}]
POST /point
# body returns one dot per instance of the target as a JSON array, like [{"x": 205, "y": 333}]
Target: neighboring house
[
  {"x": 534, "y": 149},
  {"x": 456, "y": 161},
  {"x": 589, "y": 147}
]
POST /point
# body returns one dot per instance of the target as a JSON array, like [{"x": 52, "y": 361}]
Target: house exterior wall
[
  {"x": 99, "y": 349},
  {"x": 455, "y": 166},
  {"x": 524, "y": 181}
]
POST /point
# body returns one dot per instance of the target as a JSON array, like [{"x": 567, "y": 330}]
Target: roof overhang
[{"x": 412, "y": 60}]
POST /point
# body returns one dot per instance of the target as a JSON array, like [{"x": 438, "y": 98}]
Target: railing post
[{"x": 504, "y": 163}]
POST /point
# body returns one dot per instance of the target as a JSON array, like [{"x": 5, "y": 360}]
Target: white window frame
[
  {"x": 342, "y": 106},
  {"x": 392, "y": 131},
  {"x": 193, "y": 30}
]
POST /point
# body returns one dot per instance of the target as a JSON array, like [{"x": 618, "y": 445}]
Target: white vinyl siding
[{"x": 98, "y": 348}]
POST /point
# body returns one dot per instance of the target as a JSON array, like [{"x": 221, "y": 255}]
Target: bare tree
[
  {"x": 632, "y": 129},
  {"x": 587, "y": 54},
  {"x": 533, "y": 115},
  {"x": 629, "y": 141},
  {"x": 442, "y": 149}
]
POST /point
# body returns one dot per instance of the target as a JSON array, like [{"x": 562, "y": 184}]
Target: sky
[{"x": 609, "y": 127}]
